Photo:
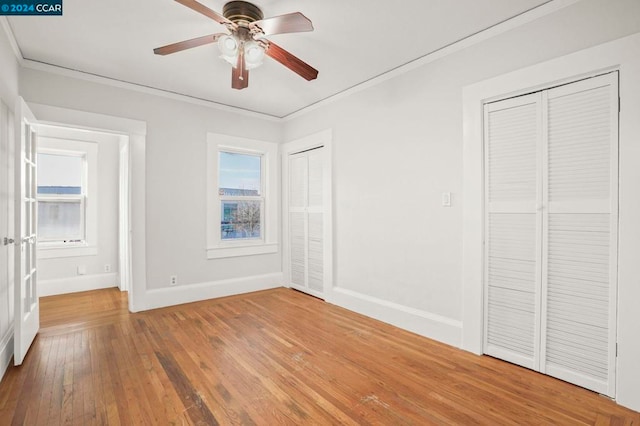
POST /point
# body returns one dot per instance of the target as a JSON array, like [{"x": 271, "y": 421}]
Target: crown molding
[
  {"x": 525, "y": 17},
  {"x": 6, "y": 26},
  {"x": 55, "y": 69},
  {"x": 81, "y": 75}
]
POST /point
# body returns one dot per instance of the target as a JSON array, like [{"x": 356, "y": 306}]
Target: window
[
  {"x": 240, "y": 191},
  {"x": 67, "y": 183},
  {"x": 61, "y": 197},
  {"x": 242, "y": 186}
]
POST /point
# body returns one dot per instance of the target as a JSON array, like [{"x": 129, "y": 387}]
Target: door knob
[{"x": 6, "y": 241}]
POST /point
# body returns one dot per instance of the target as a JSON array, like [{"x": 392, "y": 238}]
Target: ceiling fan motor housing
[{"x": 241, "y": 12}]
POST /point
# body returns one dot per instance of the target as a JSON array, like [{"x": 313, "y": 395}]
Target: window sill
[
  {"x": 241, "y": 250},
  {"x": 53, "y": 252}
]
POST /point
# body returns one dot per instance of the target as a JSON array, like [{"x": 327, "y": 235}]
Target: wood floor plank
[
  {"x": 66, "y": 408},
  {"x": 77, "y": 382},
  {"x": 265, "y": 358},
  {"x": 49, "y": 386},
  {"x": 29, "y": 388}
]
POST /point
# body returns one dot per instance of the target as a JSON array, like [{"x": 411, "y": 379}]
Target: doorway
[
  {"x": 82, "y": 194},
  {"x": 136, "y": 132}
]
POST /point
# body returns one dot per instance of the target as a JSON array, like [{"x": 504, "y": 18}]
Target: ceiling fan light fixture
[
  {"x": 254, "y": 54},
  {"x": 228, "y": 46}
]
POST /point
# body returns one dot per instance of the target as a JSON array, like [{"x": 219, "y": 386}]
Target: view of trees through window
[
  {"x": 240, "y": 219},
  {"x": 240, "y": 191}
]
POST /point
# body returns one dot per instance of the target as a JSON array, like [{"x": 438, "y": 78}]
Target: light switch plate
[{"x": 446, "y": 199}]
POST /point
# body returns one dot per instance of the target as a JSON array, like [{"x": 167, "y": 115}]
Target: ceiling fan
[{"x": 245, "y": 47}]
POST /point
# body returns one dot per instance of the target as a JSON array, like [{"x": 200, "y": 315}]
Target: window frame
[
  {"x": 217, "y": 247},
  {"x": 48, "y": 249}
]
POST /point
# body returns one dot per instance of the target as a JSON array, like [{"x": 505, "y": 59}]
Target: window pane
[
  {"x": 60, "y": 174},
  {"x": 60, "y": 221},
  {"x": 239, "y": 174},
  {"x": 240, "y": 219}
]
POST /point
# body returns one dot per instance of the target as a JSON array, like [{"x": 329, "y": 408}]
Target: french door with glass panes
[
  {"x": 27, "y": 306},
  {"x": 551, "y": 215}
]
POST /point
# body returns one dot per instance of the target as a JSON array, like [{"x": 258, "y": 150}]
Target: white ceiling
[{"x": 354, "y": 41}]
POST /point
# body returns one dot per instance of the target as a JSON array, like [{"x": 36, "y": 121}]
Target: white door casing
[{"x": 124, "y": 215}]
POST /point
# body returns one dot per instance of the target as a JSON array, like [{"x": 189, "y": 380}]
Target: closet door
[
  {"x": 306, "y": 221},
  {"x": 315, "y": 218},
  {"x": 580, "y": 233},
  {"x": 297, "y": 220},
  {"x": 513, "y": 229}
]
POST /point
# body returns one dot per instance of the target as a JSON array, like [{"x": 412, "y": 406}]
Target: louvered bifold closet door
[
  {"x": 315, "y": 243},
  {"x": 298, "y": 220},
  {"x": 306, "y": 221},
  {"x": 580, "y": 233},
  {"x": 513, "y": 229}
]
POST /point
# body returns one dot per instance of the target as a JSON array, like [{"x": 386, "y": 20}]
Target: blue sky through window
[{"x": 239, "y": 171}]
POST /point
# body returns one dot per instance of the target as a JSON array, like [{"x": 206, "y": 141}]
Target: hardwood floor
[{"x": 272, "y": 357}]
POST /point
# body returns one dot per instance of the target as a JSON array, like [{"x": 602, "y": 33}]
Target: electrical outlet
[
  {"x": 107, "y": 268},
  {"x": 173, "y": 280},
  {"x": 82, "y": 270}
]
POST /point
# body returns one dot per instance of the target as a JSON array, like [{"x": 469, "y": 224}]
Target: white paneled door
[
  {"x": 27, "y": 306},
  {"x": 551, "y": 196},
  {"x": 306, "y": 221}
]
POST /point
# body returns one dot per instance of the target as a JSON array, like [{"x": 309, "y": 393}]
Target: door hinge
[
  {"x": 616, "y": 349},
  {"x": 619, "y": 104}
]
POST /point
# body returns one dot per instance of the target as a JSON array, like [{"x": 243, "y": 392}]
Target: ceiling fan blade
[
  {"x": 290, "y": 23},
  {"x": 240, "y": 75},
  {"x": 293, "y": 63},
  {"x": 187, "y": 44},
  {"x": 201, "y": 8}
]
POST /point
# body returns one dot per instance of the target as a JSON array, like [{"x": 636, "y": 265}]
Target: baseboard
[
  {"x": 6, "y": 351},
  {"x": 424, "y": 323},
  {"x": 170, "y": 296},
  {"x": 76, "y": 284}
]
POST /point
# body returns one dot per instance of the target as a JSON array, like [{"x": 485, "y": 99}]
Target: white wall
[
  {"x": 8, "y": 68},
  {"x": 398, "y": 254},
  {"x": 175, "y": 178},
  {"x": 8, "y": 95},
  {"x": 60, "y": 274},
  {"x": 398, "y": 146}
]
